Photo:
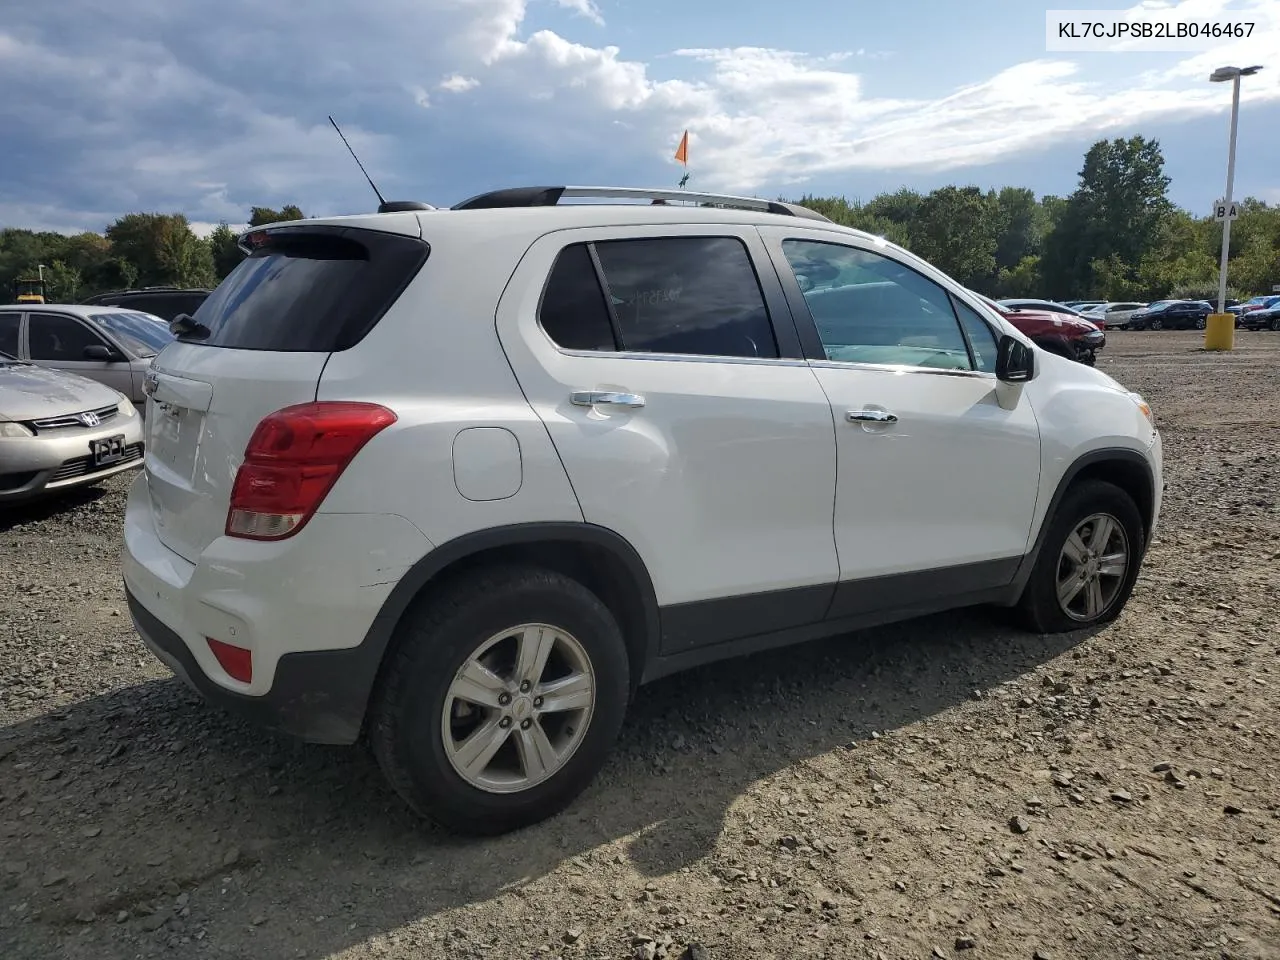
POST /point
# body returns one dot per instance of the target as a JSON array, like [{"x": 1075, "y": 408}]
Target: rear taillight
[{"x": 292, "y": 461}]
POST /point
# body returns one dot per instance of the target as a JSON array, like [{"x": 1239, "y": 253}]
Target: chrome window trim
[
  {"x": 899, "y": 368},
  {"x": 681, "y": 357}
]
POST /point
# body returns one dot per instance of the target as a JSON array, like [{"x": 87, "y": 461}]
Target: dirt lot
[{"x": 947, "y": 787}]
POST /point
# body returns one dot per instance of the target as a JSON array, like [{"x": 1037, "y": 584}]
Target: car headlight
[
  {"x": 125, "y": 406},
  {"x": 10, "y": 429}
]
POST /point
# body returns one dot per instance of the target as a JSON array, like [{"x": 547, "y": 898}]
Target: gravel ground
[{"x": 942, "y": 788}]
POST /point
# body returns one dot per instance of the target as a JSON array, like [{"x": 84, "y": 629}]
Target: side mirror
[
  {"x": 101, "y": 353},
  {"x": 1015, "y": 361}
]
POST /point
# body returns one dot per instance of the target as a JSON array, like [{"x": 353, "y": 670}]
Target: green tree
[
  {"x": 226, "y": 254},
  {"x": 1117, "y": 211},
  {"x": 955, "y": 230},
  {"x": 62, "y": 282},
  {"x": 1022, "y": 226},
  {"x": 163, "y": 249},
  {"x": 259, "y": 216}
]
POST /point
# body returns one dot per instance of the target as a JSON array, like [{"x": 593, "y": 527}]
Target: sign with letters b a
[{"x": 1221, "y": 213}]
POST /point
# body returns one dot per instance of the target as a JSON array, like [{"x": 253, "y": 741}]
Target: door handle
[
  {"x": 606, "y": 398},
  {"x": 870, "y": 416}
]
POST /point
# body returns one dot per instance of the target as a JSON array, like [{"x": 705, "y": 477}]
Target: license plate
[{"x": 108, "y": 451}]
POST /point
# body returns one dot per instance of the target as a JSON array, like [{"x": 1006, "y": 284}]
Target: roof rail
[{"x": 551, "y": 196}]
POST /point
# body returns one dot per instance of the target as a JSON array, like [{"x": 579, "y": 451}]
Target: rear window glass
[{"x": 313, "y": 291}]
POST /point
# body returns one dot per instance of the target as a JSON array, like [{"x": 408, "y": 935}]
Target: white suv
[{"x": 461, "y": 480}]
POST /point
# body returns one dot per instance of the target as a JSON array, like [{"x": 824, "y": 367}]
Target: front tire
[
  {"x": 1275, "y": 323},
  {"x": 1088, "y": 562},
  {"x": 502, "y": 701},
  {"x": 1156, "y": 325},
  {"x": 1201, "y": 322}
]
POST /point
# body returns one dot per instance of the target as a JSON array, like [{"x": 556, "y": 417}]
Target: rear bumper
[
  {"x": 319, "y": 697},
  {"x": 303, "y": 606}
]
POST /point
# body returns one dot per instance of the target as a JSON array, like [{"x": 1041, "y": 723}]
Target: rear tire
[
  {"x": 1275, "y": 324},
  {"x": 423, "y": 725},
  {"x": 1077, "y": 583}
]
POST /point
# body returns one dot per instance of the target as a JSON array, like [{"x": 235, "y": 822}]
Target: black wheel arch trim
[
  {"x": 1079, "y": 465},
  {"x": 451, "y": 552}
]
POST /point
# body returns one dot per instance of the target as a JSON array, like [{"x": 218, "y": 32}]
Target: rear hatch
[{"x": 257, "y": 344}]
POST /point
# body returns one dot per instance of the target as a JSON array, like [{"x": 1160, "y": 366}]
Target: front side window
[
  {"x": 54, "y": 336},
  {"x": 871, "y": 309},
  {"x": 982, "y": 339},
  {"x": 677, "y": 295}
]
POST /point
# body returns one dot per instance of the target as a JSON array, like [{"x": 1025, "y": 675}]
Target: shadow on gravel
[
  {"x": 120, "y": 802},
  {"x": 46, "y": 507}
]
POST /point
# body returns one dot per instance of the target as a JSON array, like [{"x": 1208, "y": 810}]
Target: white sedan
[{"x": 1115, "y": 315}]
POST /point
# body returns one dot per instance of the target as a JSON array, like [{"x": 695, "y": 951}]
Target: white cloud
[
  {"x": 584, "y": 8},
  {"x": 109, "y": 123},
  {"x": 457, "y": 83}
]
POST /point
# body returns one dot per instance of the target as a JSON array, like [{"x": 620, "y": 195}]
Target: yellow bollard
[{"x": 1220, "y": 331}]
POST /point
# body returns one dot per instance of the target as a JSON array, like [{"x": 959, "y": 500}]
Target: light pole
[{"x": 1225, "y": 331}]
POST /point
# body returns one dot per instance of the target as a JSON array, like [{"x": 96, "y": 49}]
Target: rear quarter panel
[{"x": 435, "y": 359}]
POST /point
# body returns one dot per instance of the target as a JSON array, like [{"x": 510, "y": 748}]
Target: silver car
[
  {"x": 59, "y": 430},
  {"x": 108, "y": 344}
]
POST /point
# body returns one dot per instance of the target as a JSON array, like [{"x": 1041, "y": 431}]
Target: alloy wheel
[
  {"x": 1092, "y": 567},
  {"x": 518, "y": 708}
]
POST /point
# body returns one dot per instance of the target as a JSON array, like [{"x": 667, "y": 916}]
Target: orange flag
[{"x": 682, "y": 151}]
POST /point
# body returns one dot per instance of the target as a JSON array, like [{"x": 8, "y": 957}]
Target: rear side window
[
  {"x": 9, "y": 333},
  {"x": 574, "y": 311},
  {"x": 679, "y": 295},
  {"x": 311, "y": 291}
]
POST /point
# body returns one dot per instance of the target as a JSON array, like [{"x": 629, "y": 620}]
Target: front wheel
[
  {"x": 1200, "y": 323},
  {"x": 1275, "y": 323},
  {"x": 1157, "y": 325},
  {"x": 1088, "y": 561},
  {"x": 503, "y": 700}
]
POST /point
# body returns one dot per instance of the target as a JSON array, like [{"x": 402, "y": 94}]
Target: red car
[{"x": 1068, "y": 336}]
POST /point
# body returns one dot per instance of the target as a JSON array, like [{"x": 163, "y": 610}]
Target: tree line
[
  {"x": 1116, "y": 237},
  {"x": 138, "y": 250}
]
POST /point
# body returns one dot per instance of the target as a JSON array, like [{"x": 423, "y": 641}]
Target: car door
[
  {"x": 59, "y": 340},
  {"x": 668, "y": 373},
  {"x": 937, "y": 478}
]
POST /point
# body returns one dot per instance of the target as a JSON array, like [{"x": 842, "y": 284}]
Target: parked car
[
  {"x": 163, "y": 302},
  {"x": 463, "y": 479},
  {"x": 59, "y": 431},
  {"x": 1047, "y": 306},
  {"x": 1255, "y": 303},
  {"x": 1171, "y": 314},
  {"x": 107, "y": 344},
  {"x": 1075, "y": 338},
  {"x": 1114, "y": 315},
  {"x": 1268, "y": 318},
  {"x": 1081, "y": 306}
]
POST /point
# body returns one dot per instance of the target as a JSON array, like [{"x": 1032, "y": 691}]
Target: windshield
[{"x": 144, "y": 334}]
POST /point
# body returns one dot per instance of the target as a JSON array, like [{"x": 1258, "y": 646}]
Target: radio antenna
[{"x": 377, "y": 193}]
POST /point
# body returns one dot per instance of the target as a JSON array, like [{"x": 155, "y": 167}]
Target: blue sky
[{"x": 184, "y": 106}]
